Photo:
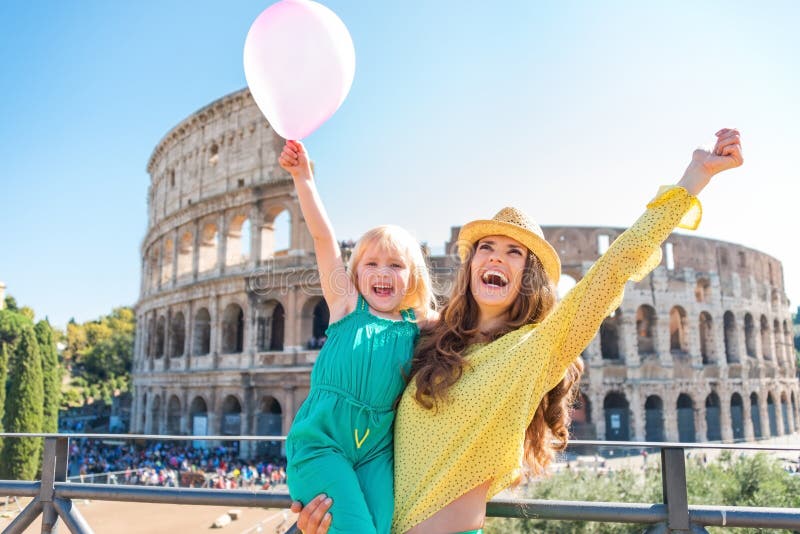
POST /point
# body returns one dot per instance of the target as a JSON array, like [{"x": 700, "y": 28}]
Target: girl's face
[
  {"x": 383, "y": 278},
  {"x": 496, "y": 272}
]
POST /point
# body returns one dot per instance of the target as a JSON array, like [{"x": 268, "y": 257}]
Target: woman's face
[{"x": 496, "y": 272}]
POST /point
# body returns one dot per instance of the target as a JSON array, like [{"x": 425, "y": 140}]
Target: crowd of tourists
[{"x": 170, "y": 464}]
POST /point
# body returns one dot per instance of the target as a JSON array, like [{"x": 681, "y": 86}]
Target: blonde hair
[{"x": 394, "y": 239}]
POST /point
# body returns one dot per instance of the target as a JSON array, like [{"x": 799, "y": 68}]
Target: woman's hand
[
  {"x": 727, "y": 154},
  {"x": 294, "y": 160},
  {"x": 314, "y": 517}
]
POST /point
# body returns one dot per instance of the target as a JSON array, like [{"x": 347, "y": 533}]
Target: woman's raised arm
[{"x": 576, "y": 319}]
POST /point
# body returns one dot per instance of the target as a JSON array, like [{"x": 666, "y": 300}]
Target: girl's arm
[
  {"x": 576, "y": 319},
  {"x": 336, "y": 285}
]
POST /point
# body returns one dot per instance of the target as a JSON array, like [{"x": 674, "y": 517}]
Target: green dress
[{"x": 341, "y": 441}]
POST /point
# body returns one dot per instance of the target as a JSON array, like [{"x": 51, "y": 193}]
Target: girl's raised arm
[{"x": 336, "y": 285}]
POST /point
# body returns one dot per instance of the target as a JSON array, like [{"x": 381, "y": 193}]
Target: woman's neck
[{"x": 491, "y": 320}]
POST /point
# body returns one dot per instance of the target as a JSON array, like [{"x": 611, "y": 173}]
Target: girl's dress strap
[
  {"x": 408, "y": 315},
  {"x": 362, "y": 305}
]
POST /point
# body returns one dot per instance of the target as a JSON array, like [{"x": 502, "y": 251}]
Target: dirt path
[{"x": 137, "y": 518}]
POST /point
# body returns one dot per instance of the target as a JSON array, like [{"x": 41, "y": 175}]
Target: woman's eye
[
  {"x": 484, "y": 246},
  {"x": 516, "y": 251}
]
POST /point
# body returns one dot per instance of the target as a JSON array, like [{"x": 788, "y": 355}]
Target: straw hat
[{"x": 513, "y": 223}]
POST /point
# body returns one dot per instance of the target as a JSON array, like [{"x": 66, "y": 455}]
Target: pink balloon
[{"x": 299, "y": 62}]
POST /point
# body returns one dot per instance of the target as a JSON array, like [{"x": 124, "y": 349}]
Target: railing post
[
  {"x": 673, "y": 480},
  {"x": 47, "y": 489}
]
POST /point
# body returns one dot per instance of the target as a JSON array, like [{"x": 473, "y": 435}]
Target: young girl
[
  {"x": 341, "y": 440},
  {"x": 491, "y": 383}
]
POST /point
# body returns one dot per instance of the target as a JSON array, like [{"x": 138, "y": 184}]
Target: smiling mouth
[
  {"x": 382, "y": 290},
  {"x": 494, "y": 279}
]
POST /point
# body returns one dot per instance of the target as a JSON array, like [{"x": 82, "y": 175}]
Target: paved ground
[{"x": 135, "y": 518}]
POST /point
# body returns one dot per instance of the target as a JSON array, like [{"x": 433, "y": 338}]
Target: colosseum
[{"x": 230, "y": 316}]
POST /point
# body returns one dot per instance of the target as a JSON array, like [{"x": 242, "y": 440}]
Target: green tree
[
  {"x": 51, "y": 372},
  {"x": 20, "y": 457},
  {"x": 99, "y": 354},
  {"x": 3, "y": 380}
]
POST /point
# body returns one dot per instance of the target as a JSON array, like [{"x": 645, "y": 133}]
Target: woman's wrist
[{"x": 695, "y": 178}]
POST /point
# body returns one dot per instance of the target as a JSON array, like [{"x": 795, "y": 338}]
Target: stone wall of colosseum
[{"x": 229, "y": 322}]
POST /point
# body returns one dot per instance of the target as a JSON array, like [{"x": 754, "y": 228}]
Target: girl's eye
[
  {"x": 396, "y": 266},
  {"x": 371, "y": 264}
]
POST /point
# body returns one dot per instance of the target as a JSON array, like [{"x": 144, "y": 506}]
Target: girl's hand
[
  {"x": 313, "y": 518},
  {"x": 294, "y": 160},
  {"x": 727, "y": 154}
]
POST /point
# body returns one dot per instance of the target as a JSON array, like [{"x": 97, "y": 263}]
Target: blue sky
[{"x": 573, "y": 111}]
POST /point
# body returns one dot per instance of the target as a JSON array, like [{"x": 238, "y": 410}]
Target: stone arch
[
  {"x": 785, "y": 413},
  {"x": 209, "y": 248},
  {"x": 737, "y": 417},
  {"x": 166, "y": 265},
  {"x": 237, "y": 242},
  {"x": 581, "y": 412},
  {"x": 231, "y": 411},
  {"x": 686, "y": 426},
  {"x": 213, "y": 154},
  {"x": 150, "y": 339},
  {"x": 314, "y": 321},
  {"x": 143, "y": 416},
  {"x": 788, "y": 344},
  {"x": 713, "y": 424},
  {"x": 270, "y": 326},
  {"x": 276, "y": 232},
  {"x": 750, "y": 336},
  {"x": 202, "y": 333},
  {"x": 160, "y": 336},
  {"x": 776, "y": 335},
  {"x": 702, "y": 290},
  {"x": 198, "y": 417},
  {"x": 654, "y": 419},
  {"x": 603, "y": 242},
  {"x": 174, "y": 416},
  {"x": 269, "y": 422},
  {"x": 154, "y": 268},
  {"x": 185, "y": 253},
  {"x": 232, "y": 329},
  {"x": 646, "y": 328},
  {"x": 706, "y": 328},
  {"x": 609, "y": 336},
  {"x": 766, "y": 346},
  {"x": 755, "y": 415},
  {"x": 772, "y": 414},
  {"x": 678, "y": 335},
  {"x": 177, "y": 335},
  {"x": 617, "y": 415},
  {"x": 155, "y": 415},
  {"x": 731, "y": 352}
]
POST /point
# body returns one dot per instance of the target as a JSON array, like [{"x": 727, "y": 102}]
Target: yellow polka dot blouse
[{"x": 478, "y": 435}]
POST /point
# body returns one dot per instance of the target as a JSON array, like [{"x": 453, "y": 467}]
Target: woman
[{"x": 490, "y": 386}]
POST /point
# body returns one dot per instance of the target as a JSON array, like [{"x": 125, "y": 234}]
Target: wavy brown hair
[{"x": 438, "y": 361}]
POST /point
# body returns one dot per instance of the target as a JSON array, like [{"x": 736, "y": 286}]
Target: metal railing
[{"x": 53, "y": 495}]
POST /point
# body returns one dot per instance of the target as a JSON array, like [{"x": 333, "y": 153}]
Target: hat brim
[{"x": 473, "y": 231}]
